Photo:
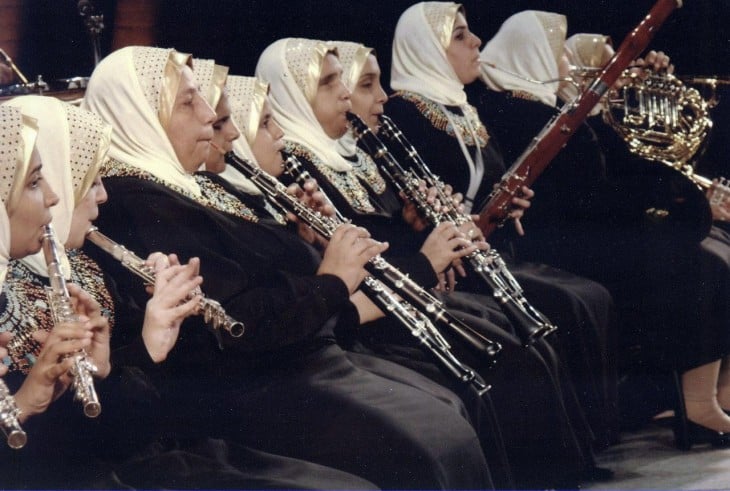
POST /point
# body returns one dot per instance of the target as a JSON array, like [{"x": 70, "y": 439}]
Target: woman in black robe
[
  {"x": 361, "y": 193},
  {"x": 684, "y": 288},
  {"x": 430, "y": 107},
  {"x": 103, "y": 452},
  {"x": 285, "y": 386}
]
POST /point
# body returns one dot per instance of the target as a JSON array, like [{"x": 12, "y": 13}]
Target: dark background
[{"x": 55, "y": 42}]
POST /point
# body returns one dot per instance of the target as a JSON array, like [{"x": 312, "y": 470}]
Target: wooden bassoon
[{"x": 546, "y": 145}]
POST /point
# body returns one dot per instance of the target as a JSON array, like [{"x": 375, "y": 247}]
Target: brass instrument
[
  {"x": 9, "y": 414},
  {"x": 528, "y": 321},
  {"x": 385, "y": 279},
  {"x": 211, "y": 310},
  {"x": 554, "y": 135},
  {"x": 62, "y": 311},
  {"x": 663, "y": 120}
]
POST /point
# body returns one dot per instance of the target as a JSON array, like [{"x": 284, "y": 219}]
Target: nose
[
  {"x": 476, "y": 40},
  {"x": 345, "y": 94},
  {"x": 49, "y": 197},
  {"x": 382, "y": 97},
  {"x": 277, "y": 131},
  {"x": 206, "y": 113},
  {"x": 233, "y": 131},
  {"x": 101, "y": 194}
]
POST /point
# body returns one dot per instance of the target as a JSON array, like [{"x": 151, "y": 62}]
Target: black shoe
[{"x": 698, "y": 435}]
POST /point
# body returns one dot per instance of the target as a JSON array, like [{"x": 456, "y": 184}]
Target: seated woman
[
  {"x": 72, "y": 144},
  {"x": 434, "y": 56},
  {"x": 27, "y": 199},
  {"x": 293, "y": 389},
  {"x": 689, "y": 299},
  {"x": 309, "y": 131}
]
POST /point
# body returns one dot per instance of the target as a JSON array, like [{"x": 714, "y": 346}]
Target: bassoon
[{"x": 551, "y": 139}]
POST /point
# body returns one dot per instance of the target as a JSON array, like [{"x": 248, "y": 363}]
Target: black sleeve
[{"x": 278, "y": 305}]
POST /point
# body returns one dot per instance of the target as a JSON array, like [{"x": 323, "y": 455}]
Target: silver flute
[
  {"x": 529, "y": 323},
  {"x": 62, "y": 311},
  {"x": 212, "y": 311},
  {"x": 384, "y": 281},
  {"x": 9, "y": 414}
]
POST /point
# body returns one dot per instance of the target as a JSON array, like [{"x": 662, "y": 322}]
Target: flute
[
  {"x": 212, "y": 311},
  {"x": 9, "y": 414},
  {"x": 62, "y": 312}
]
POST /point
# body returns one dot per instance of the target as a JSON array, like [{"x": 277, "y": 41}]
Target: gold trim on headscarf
[
  {"x": 441, "y": 16},
  {"x": 590, "y": 49},
  {"x": 171, "y": 83},
  {"x": 29, "y": 133},
  {"x": 260, "y": 91},
  {"x": 305, "y": 59},
  {"x": 215, "y": 91},
  {"x": 354, "y": 69}
]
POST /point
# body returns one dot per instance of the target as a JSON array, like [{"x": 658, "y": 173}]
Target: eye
[{"x": 35, "y": 182}]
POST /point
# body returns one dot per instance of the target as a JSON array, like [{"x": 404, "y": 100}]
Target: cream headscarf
[
  {"x": 292, "y": 67},
  {"x": 212, "y": 79},
  {"x": 246, "y": 95},
  {"x": 134, "y": 90},
  {"x": 18, "y": 134},
  {"x": 529, "y": 44},
  {"x": 584, "y": 51},
  {"x": 420, "y": 64},
  {"x": 352, "y": 57},
  {"x": 72, "y": 144}
]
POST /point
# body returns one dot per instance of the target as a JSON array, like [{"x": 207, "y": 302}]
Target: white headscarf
[
  {"x": 292, "y": 67},
  {"x": 134, "y": 89},
  {"x": 352, "y": 57},
  {"x": 420, "y": 64},
  {"x": 72, "y": 143},
  {"x": 529, "y": 44},
  {"x": 18, "y": 134},
  {"x": 584, "y": 51},
  {"x": 246, "y": 95}
]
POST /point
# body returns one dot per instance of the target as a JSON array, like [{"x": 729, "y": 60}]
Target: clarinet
[
  {"x": 62, "y": 311},
  {"x": 384, "y": 280},
  {"x": 9, "y": 414},
  {"x": 402, "y": 283},
  {"x": 555, "y": 134},
  {"x": 211, "y": 310},
  {"x": 529, "y": 322}
]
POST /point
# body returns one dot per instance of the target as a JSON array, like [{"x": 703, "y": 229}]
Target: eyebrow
[{"x": 329, "y": 78}]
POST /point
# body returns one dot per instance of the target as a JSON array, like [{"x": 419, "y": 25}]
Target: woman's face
[
  {"x": 463, "y": 51},
  {"x": 269, "y": 142},
  {"x": 32, "y": 212},
  {"x": 368, "y": 97},
  {"x": 191, "y": 123},
  {"x": 224, "y": 132},
  {"x": 85, "y": 213},
  {"x": 332, "y": 101}
]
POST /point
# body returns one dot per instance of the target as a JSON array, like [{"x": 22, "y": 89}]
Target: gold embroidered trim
[
  {"x": 523, "y": 94},
  {"x": 346, "y": 182},
  {"x": 433, "y": 113},
  {"x": 367, "y": 170},
  {"x": 212, "y": 195},
  {"x": 27, "y": 308}
]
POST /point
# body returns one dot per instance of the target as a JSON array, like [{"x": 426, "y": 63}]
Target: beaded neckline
[
  {"x": 213, "y": 195},
  {"x": 346, "y": 183},
  {"x": 434, "y": 113}
]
